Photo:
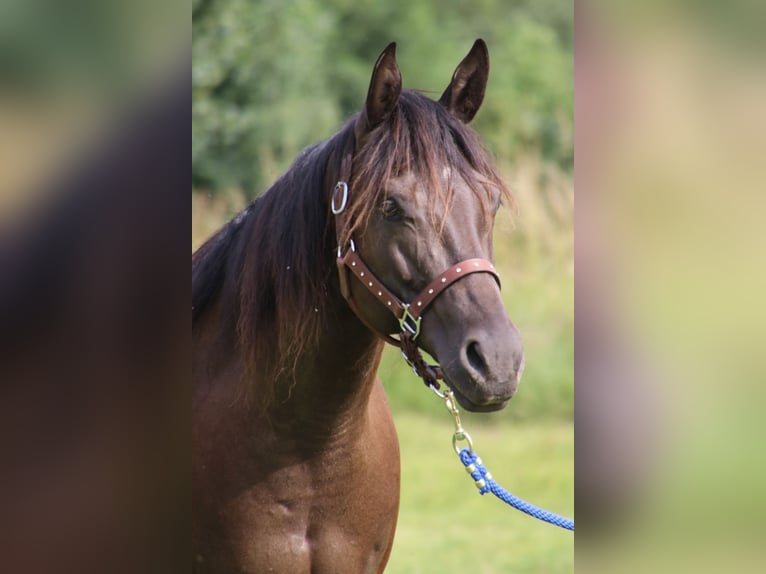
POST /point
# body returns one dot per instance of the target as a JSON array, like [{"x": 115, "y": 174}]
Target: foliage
[{"x": 270, "y": 77}]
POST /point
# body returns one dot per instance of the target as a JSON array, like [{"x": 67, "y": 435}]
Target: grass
[{"x": 445, "y": 526}]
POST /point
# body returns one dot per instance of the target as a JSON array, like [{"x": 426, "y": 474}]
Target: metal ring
[
  {"x": 436, "y": 391},
  {"x": 461, "y": 436},
  {"x": 341, "y": 185},
  {"x": 351, "y": 245}
]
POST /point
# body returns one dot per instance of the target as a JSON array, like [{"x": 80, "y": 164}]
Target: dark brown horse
[{"x": 296, "y": 459}]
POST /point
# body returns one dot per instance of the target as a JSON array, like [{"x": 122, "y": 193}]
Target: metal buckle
[
  {"x": 408, "y": 323},
  {"x": 340, "y": 186}
]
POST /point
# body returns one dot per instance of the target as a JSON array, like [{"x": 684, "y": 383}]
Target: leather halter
[{"x": 350, "y": 265}]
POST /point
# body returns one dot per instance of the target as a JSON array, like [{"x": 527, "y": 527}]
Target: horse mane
[
  {"x": 272, "y": 264},
  {"x": 268, "y": 266},
  {"x": 209, "y": 264}
]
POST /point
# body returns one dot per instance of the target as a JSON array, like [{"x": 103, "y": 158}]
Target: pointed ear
[
  {"x": 469, "y": 82},
  {"x": 383, "y": 95}
]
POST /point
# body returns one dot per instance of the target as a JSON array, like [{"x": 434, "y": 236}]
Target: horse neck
[
  {"x": 328, "y": 391},
  {"x": 330, "y": 376}
]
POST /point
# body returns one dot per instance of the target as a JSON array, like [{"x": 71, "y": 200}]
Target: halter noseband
[{"x": 408, "y": 315}]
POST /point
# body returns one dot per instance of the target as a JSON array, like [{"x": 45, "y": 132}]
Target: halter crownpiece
[{"x": 408, "y": 315}]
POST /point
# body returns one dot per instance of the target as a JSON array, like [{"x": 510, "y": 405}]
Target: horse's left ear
[
  {"x": 383, "y": 95},
  {"x": 465, "y": 93}
]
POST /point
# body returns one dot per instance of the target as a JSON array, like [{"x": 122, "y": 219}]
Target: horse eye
[{"x": 391, "y": 209}]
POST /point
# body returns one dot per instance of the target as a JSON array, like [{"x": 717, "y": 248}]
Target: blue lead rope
[{"x": 485, "y": 483}]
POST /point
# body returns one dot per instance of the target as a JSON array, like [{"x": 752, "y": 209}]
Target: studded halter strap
[{"x": 409, "y": 315}]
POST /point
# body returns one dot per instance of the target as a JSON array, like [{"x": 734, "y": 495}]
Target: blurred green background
[{"x": 271, "y": 77}]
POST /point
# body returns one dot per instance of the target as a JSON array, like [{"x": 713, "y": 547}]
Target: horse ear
[
  {"x": 383, "y": 95},
  {"x": 465, "y": 92}
]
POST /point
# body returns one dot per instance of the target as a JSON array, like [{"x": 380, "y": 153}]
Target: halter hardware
[
  {"x": 341, "y": 187},
  {"x": 409, "y": 323}
]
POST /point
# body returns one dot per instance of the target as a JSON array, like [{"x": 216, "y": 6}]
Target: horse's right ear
[
  {"x": 465, "y": 93},
  {"x": 383, "y": 95}
]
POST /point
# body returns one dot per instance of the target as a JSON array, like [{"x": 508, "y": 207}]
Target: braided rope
[{"x": 485, "y": 483}]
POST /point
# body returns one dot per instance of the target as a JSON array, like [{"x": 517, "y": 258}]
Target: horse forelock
[{"x": 423, "y": 138}]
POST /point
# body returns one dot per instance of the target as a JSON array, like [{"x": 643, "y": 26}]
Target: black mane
[{"x": 285, "y": 225}]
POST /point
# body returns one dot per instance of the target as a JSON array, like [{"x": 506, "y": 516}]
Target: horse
[{"x": 295, "y": 462}]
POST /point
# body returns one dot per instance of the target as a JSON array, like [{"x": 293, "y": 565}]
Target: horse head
[{"x": 424, "y": 198}]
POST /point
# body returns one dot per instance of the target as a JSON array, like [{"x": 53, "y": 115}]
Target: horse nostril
[{"x": 475, "y": 358}]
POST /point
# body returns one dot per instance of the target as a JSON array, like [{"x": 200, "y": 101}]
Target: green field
[{"x": 445, "y": 526}]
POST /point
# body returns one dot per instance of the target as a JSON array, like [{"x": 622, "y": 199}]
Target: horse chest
[{"x": 334, "y": 513}]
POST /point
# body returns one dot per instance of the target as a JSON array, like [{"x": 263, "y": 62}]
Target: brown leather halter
[{"x": 409, "y": 315}]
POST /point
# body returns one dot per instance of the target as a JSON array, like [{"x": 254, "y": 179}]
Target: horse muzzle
[{"x": 487, "y": 370}]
